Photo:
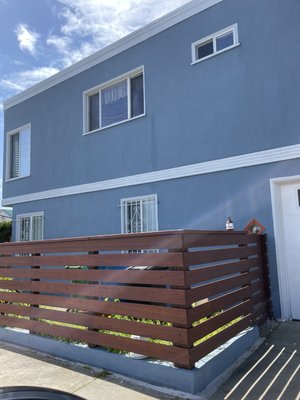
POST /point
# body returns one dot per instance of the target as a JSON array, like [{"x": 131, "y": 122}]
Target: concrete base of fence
[{"x": 154, "y": 372}]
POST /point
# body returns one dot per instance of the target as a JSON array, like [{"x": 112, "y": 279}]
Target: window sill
[
  {"x": 215, "y": 54},
  {"x": 17, "y": 178},
  {"x": 112, "y": 125}
]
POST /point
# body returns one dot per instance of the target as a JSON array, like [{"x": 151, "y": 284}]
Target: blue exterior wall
[
  {"x": 241, "y": 101},
  {"x": 220, "y": 107}
]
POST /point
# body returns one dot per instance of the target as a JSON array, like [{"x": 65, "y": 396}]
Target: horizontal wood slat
[
  {"x": 153, "y": 240},
  {"x": 220, "y": 303},
  {"x": 174, "y": 278},
  {"x": 160, "y": 313},
  {"x": 210, "y": 256},
  {"x": 217, "y": 340},
  {"x": 155, "y": 295},
  {"x": 209, "y": 238},
  {"x": 123, "y": 260},
  {"x": 170, "y": 353},
  {"x": 168, "y": 333},
  {"x": 219, "y": 320},
  {"x": 221, "y": 286},
  {"x": 206, "y": 273}
]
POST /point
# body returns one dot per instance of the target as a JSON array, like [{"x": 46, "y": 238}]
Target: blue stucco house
[{"x": 178, "y": 125}]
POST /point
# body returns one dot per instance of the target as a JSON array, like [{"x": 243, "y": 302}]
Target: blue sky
[{"x": 38, "y": 38}]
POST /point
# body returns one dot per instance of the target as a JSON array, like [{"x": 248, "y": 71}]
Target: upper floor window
[
  {"x": 116, "y": 101},
  {"x": 18, "y": 153},
  {"x": 30, "y": 227},
  {"x": 214, "y": 44}
]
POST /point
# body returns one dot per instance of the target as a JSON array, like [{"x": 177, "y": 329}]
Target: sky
[{"x": 39, "y": 38}]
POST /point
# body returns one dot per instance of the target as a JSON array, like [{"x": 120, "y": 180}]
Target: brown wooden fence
[{"x": 203, "y": 288}]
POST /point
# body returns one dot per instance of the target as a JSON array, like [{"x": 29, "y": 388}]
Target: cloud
[
  {"x": 24, "y": 79},
  {"x": 89, "y": 25},
  {"x": 85, "y": 27},
  {"x": 27, "y": 39}
]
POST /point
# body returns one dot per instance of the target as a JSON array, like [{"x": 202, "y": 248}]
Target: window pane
[
  {"x": 205, "y": 49},
  {"x": 224, "y": 41},
  {"x": 25, "y": 152},
  {"x": 137, "y": 96},
  {"x": 149, "y": 215},
  {"x": 14, "y": 156},
  {"x": 37, "y": 227},
  {"x": 114, "y": 104},
  {"x": 93, "y": 112}
]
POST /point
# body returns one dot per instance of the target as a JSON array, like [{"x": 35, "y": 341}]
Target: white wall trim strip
[
  {"x": 134, "y": 38},
  {"x": 223, "y": 164}
]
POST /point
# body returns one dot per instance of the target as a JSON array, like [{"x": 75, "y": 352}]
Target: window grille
[{"x": 30, "y": 227}]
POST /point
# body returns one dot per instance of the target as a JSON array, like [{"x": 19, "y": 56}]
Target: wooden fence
[{"x": 203, "y": 288}]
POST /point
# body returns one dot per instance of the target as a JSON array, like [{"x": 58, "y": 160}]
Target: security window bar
[
  {"x": 116, "y": 103},
  {"x": 140, "y": 215},
  {"x": 30, "y": 227},
  {"x": 214, "y": 44}
]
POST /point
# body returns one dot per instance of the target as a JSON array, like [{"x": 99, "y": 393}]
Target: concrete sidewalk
[
  {"x": 271, "y": 373},
  {"x": 22, "y": 367}
]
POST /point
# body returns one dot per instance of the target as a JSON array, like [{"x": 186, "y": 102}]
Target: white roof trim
[
  {"x": 155, "y": 27},
  {"x": 223, "y": 164}
]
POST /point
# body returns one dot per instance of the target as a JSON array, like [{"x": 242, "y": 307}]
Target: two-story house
[{"x": 180, "y": 124}]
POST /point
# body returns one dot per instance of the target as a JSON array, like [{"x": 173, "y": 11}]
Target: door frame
[{"x": 282, "y": 266}]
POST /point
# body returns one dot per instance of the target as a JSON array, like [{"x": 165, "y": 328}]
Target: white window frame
[
  {"x": 123, "y": 203},
  {"x": 8, "y": 153},
  {"x": 97, "y": 89},
  {"x": 233, "y": 28},
  {"x": 31, "y": 216}
]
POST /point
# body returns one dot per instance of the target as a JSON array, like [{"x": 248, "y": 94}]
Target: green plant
[{"x": 5, "y": 231}]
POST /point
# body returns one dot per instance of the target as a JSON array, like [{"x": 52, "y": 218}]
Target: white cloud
[
  {"x": 89, "y": 25},
  {"x": 11, "y": 85},
  {"x": 22, "y": 80},
  {"x": 27, "y": 39}
]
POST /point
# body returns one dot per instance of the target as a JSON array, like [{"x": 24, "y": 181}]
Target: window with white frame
[
  {"x": 139, "y": 214},
  {"x": 116, "y": 101},
  {"x": 30, "y": 227},
  {"x": 214, "y": 44},
  {"x": 18, "y": 153}
]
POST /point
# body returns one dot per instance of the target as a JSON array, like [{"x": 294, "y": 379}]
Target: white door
[{"x": 290, "y": 196}]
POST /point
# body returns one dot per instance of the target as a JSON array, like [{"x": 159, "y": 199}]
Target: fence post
[
  {"x": 34, "y": 280},
  {"x": 92, "y": 346},
  {"x": 187, "y": 306}
]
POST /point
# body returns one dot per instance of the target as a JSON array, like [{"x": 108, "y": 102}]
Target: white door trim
[{"x": 282, "y": 267}]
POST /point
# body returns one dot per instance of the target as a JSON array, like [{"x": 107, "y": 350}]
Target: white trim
[
  {"x": 8, "y": 152},
  {"x": 223, "y": 164},
  {"x": 233, "y": 28},
  {"x": 134, "y": 38},
  {"x": 282, "y": 267},
  {"x": 97, "y": 89}
]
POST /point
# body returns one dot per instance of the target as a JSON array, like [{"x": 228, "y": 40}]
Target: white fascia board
[
  {"x": 134, "y": 38},
  {"x": 224, "y": 164}
]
